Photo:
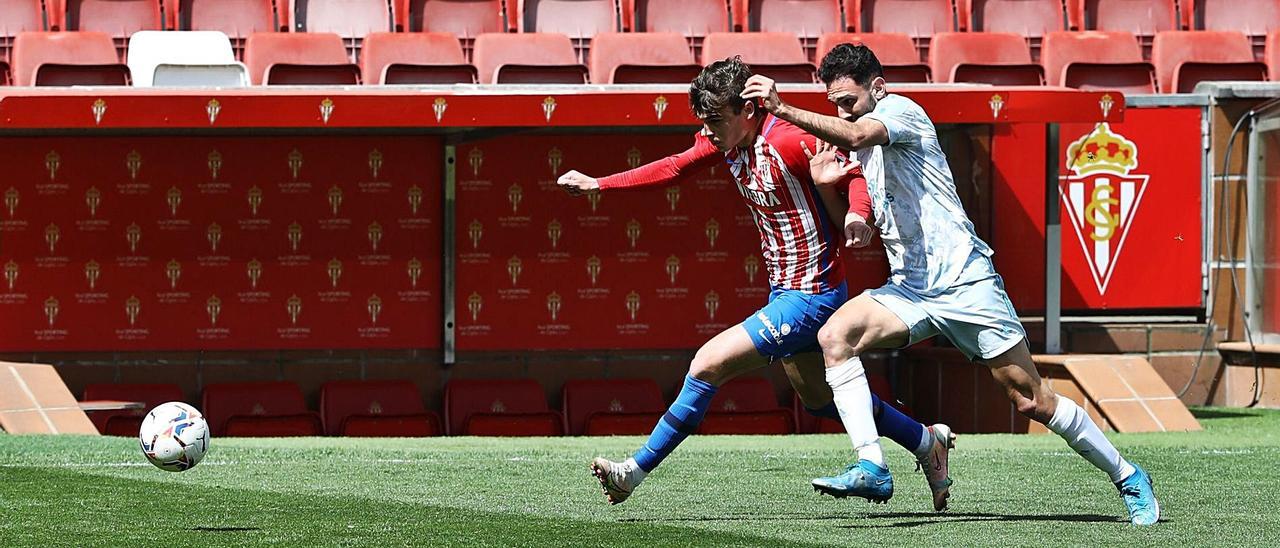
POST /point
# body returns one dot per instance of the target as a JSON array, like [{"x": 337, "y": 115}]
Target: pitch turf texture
[{"x": 1217, "y": 487}]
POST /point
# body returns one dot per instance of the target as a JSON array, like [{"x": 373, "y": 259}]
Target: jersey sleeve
[
  {"x": 859, "y": 199},
  {"x": 899, "y": 119},
  {"x": 671, "y": 169}
]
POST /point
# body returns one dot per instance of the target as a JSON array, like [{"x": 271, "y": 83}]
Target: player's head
[
  {"x": 716, "y": 98},
  {"x": 854, "y": 79}
]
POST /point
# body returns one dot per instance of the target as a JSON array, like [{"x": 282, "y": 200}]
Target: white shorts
[{"x": 976, "y": 316}]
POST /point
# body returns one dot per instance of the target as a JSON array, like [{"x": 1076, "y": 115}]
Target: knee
[
  {"x": 705, "y": 367},
  {"x": 834, "y": 339}
]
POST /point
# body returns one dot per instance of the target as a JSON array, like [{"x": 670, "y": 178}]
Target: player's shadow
[{"x": 933, "y": 518}]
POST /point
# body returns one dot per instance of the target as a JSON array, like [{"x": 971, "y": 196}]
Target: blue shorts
[{"x": 789, "y": 324}]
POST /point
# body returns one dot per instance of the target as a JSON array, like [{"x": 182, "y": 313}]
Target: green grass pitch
[{"x": 1218, "y": 487}]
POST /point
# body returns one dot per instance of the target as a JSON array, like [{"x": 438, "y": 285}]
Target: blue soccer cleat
[
  {"x": 1139, "y": 497},
  {"x": 860, "y": 479}
]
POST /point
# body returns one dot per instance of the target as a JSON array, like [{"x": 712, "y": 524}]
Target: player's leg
[{"x": 725, "y": 356}]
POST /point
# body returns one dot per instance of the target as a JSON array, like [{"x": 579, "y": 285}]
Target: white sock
[
  {"x": 1074, "y": 425},
  {"x": 926, "y": 443},
  {"x": 635, "y": 470},
  {"x": 853, "y": 398}
]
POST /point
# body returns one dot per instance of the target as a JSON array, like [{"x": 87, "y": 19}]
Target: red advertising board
[{"x": 152, "y": 243}]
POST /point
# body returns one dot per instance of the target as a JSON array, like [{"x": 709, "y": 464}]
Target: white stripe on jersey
[{"x": 807, "y": 223}]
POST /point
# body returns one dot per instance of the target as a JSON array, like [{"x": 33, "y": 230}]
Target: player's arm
[
  {"x": 667, "y": 170},
  {"x": 843, "y": 189},
  {"x": 845, "y": 134}
]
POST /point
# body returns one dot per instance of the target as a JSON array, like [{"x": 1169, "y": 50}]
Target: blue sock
[
  {"x": 892, "y": 424},
  {"x": 681, "y": 419},
  {"x": 827, "y": 411}
]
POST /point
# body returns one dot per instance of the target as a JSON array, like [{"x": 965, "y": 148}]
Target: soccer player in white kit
[{"x": 942, "y": 279}]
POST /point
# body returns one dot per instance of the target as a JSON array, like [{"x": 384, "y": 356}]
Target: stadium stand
[
  {"x": 1255, "y": 18},
  {"x": 987, "y": 57},
  {"x": 1095, "y": 60},
  {"x": 1273, "y": 54},
  {"x": 777, "y": 55},
  {"x": 67, "y": 59},
  {"x": 17, "y": 16},
  {"x": 184, "y": 58},
  {"x": 695, "y": 19},
  {"x": 896, "y": 52},
  {"x": 919, "y": 19},
  {"x": 580, "y": 20},
  {"x": 1143, "y": 18},
  {"x": 350, "y": 19},
  {"x": 611, "y": 407},
  {"x": 514, "y": 407},
  {"x": 258, "y": 409},
  {"x": 642, "y": 58},
  {"x": 235, "y": 18},
  {"x": 539, "y": 58},
  {"x": 118, "y": 18},
  {"x": 127, "y": 422},
  {"x": 807, "y": 19},
  {"x": 312, "y": 58},
  {"x": 747, "y": 405},
  {"x": 383, "y": 408},
  {"x": 1030, "y": 19},
  {"x": 466, "y": 19},
  {"x": 1185, "y": 58},
  {"x": 414, "y": 58}
]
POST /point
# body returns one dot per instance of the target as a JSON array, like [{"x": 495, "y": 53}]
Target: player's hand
[
  {"x": 857, "y": 233},
  {"x": 825, "y": 166},
  {"x": 575, "y": 183},
  {"x": 762, "y": 88}
]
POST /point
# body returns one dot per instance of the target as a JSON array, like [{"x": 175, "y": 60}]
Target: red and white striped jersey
[{"x": 799, "y": 241}]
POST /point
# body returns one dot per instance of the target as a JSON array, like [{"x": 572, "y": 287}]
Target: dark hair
[
  {"x": 857, "y": 63},
  {"x": 720, "y": 84}
]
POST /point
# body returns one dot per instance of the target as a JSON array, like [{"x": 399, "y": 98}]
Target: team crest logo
[
  {"x": 660, "y": 106},
  {"x": 295, "y": 236},
  {"x": 712, "y": 303},
  {"x": 514, "y": 195},
  {"x": 174, "y": 198},
  {"x": 213, "y": 307},
  {"x": 295, "y": 163},
  {"x": 11, "y": 197},
  {"x": 133, "y": 161},
  {"x": 51, "y": 310},
  {"x": 51, "y": 236},
  {"x": 326, "y": 109},
  {"x": 593, "y": 198},
  {"x": 92, "y": 271},
  {"x": 375, "y": 235},
  {"x": 99, "y": 109},
  {"x": 255, "y": 200},
  {"x": 438, "y": 107},
  {"x": 633, "y": 157},
  {"x": 553, "y": 305},
  {"x": 633, "y": 232},
  {"x": 93, "y": 199},
  {"x": 549, "y": 107},
  {"x": 374, "y": 307},
  {"x": 415, "y": 272},
  {"x": 214, "y": 233},
  {"x": 214, "y": 164},
  {"x": 52, "y": 161},
  {"x": 294, "y": 307},
  {"x": 751, "y": 265},
  {"x": 476, "y": 231},
  {"x": 334, "y": 269},
  {"x": 1106, "y": 103},
  {"x": 132, "y": 308},
  {"x": 514, "y": 267},
  {"x": 375, "y": 163},
  {"x": 476, "y": 159},
  {"x": 673, "y": 197},
  {"x": 713, "y": 232},
  {"x": 213, "y": 108},
  {"x": 633, "y": 304},
  {"x": 173, "y": 271},
  {"x": 997, "y": 104},
  {"x": 254, "y": 270},
  {"x": 335, "y": 199},
  {"x": 673, "y": 268},
  {"x": 474, "y": 302},
  {"x": 593, "y": 269},
  {"x": 415, "y": 198},
  {"x": 1102, "y": 197},
  {"x": 11, "y": 273},
  {"x": 554, "y": 231},
  {"x": 554, "y": 158}
]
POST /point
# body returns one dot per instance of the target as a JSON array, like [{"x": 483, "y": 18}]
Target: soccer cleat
[
  {"x": 1139, "y": 497},
  {"x": 616, "y": 478},
  {"x": 860, "y": 479},
  {"x": 935, "y": 467}
]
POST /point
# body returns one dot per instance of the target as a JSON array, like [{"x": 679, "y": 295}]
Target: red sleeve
[
  {"x": 859, "y": 198},
  {"x": 671, "y": 169}
]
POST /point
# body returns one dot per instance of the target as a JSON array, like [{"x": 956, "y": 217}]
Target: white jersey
[{"x": 927, "y": 235}]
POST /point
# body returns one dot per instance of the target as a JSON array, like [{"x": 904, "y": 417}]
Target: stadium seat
[
  {"x": 386, "y": 408},
  {"x": 414, "y": 58},
  {"x": 1273, "y": 54},
  {"x": 1027, "y": 18},
  {"x": 988, "y": 57},
  {"x": 312, "y": 58},
  {"x": 127, "y": 422},
  {"x": 642, "y": 58},
  {"x": 235, "y": 18},
  {"x": 258, "y": 409},
  {"x": 1185, "y": 58},
  {"x": 919, "y": 19},
  {"x": 807, "y": 19},
  {"x": 1143, "y": 18},
  {"x": 777, "y": 55},
  {"x": 538, "y": 58},
  {"x": 611, "y": 407},
  {"x": 118, "y": 18},
  {"x": 580, "y": 20},
  {"x": 67, "y": 59},
  {"x": 1095, "y": 60},
  {"x": 18, "y": 16},
  {"x": 896, "y": 52},
  {"x": 514, "y": 407},
  {"x": 465, "y": 19},
  {"x": 350, "y": 19},
  {"x": 1255, "y": 18},
  {"x": 747, "y": 405},
  {"x": 695, "y": 19},
  {"x": 184, "y": 58}
]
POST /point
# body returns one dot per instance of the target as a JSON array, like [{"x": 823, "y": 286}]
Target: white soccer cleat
[
  {"x": 935, "y": 466},
  {"x": 617, "y": 479}
]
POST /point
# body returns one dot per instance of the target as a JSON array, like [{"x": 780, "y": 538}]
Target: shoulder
[{"x": 898, "y": 105}]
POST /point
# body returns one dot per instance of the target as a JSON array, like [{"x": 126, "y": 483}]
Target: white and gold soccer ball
[{"x": 174, "y": 436}]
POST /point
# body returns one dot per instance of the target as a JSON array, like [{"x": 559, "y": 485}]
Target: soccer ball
[{"x": 174, "y": 436}]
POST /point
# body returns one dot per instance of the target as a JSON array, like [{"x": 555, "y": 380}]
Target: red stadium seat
[
  {"x": 465, "y": 19},
  {"x": 258, "y": 409},
  {"x": 919, "y": 19},
  {"x": 514, "y": 407},
  {"x": 1096, "y": 60},
  {"x": 1027, "y": 18},
  {"x": 67, "y": 59},
  {"x": 127, "y": 422},
  {"x": 18, "y": 16},
  {"x": 777, "y": 55},
  {"x": 539, "y": 58},
  {"x": 1185, "y": 58},
  {"x": 1255, "y": 18},
  {"x": 1273, "y": 54},
  {"x": 611, "y": 407},
  {"x": 117, "y": 18},
  {"x": 350, "y": 19},
  {"x": 387, "y": 408},
  {"x": 314, "y": 58},
  {"x": 642, "y": 58},
  {"x": 807, "y": 19},
  {"x": 235, "y": 18},
  {"x": 693, "y": 18},
  {"x": 896, "y": 52},
  {"x": 1143, "y": 18},
  {"x": 414, "y": 58},
  {"x": 747, "y": 405},
  {"x": 987, "y": 57},
  {"x": 580, "y": 20}
]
